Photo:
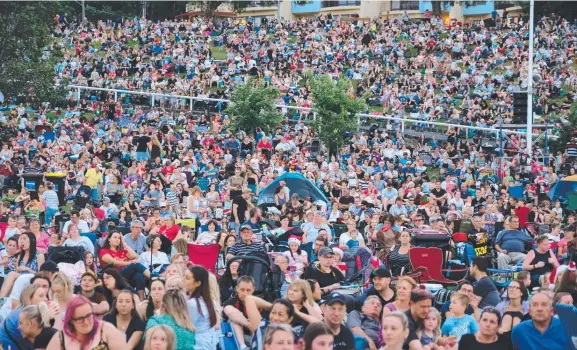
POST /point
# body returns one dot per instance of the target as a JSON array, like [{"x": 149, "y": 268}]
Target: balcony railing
[{"x": 337, "y": 3}]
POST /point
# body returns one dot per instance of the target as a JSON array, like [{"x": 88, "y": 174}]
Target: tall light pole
[
  {"x": 83, "y": 11},
  {"x": 530, "y": 81}
]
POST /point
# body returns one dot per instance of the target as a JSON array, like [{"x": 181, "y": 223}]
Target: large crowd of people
[{"x": 114, "y": 256}]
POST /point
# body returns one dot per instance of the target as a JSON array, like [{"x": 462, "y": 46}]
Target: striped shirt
[
  {"x": 241, "y": 248},
  {"x": 51, "y": 199}
]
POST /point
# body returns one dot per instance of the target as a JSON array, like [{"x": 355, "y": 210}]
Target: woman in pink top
[
  {"x": 42, "y": 238},
  {"x": 298, "y": 258}
]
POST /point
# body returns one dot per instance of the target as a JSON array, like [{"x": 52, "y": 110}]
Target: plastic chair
[
  {"x": 516, "y": 191},
  {"x": 431, "y": 259},
  {"x": 227, "y": 339},
  {"x": 204, "y": 255}
]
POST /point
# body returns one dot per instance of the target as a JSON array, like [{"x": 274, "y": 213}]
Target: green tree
[
  {"x": 252, "y": 105},
  {"x": 335, "y": 109},
  {"x": 27, "y": 70}
]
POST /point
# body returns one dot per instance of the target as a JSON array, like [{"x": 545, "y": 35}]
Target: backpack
[{"x": 441, "y": 297}]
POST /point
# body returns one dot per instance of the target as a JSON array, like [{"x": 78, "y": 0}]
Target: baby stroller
[
  {"x": 70, "y": 261},
  {"x": 258, "y": 266},
  {"x": 83, "y": 196}
]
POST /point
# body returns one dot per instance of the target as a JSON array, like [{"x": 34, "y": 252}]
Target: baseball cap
[
  {"x": 245, "y": 227},
  {"x": 91, "y": 274},
  {"x": 325, "y": 251},
  {"x": 381, "y": 273},
  {"x": 162, "y": 204},
  {"x": 335, "y": 298},
  {"x": 49, "y": 266}
]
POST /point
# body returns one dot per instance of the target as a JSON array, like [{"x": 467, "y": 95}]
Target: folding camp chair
[
  {"x": 339, "y": 229},
  {"x": 204, "y": 255},
  {"x": 227, "y": 339},
  {"x": 430, "y": 258}
]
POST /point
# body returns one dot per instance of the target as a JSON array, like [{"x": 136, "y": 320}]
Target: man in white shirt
[{"x": 75, "y": 219}]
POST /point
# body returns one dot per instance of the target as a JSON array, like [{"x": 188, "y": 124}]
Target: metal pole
[
  {"x": 546, "y": 162},
  {"x": 83, "y": 11},
  {"x": 278, "y": 10},
  {"x": 530, "y": 81},
  {"x": 144, "y": 9}
]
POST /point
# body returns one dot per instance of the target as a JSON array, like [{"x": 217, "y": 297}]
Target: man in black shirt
[
  {"x": 346, "y": 200},
  {"x": 439, "y": 194},
  {"x": 240, "y": 205},
  {"x": 335, "y": 310},
  {"x": 141, "y": 143},
  {"x": 234, "y": 310},
  {"x": 421, "y": 303}
]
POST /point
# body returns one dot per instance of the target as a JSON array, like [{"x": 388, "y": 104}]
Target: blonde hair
[
  {"x": 27, "y": 294},
  {"x": 170, "y": 336},
  {"x": 174, "y": 304},
  {"x": 399, "y": 315},
  {"x": 38, "y": 313},
  {"x": 461, "y": 297},
  {"x": 437, "y": 330},
  {"x": 306, "y": 290},
  {"x": 409, "y": 280},
  {"x": 214, "y": 289},
  {"x": 63, "y": 280},
  {"x": 181, "y": 246}
]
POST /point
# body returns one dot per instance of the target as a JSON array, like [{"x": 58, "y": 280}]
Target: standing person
[
  {"x": 485, "y": 289},
  {"x": 82, "y": 330},
  {"x": 124, "y": 317},
  {"x": 51, "y": 199},
  {"x": 335, "y": 310},
  {"x": 543, "y": 331},
  {"x": 240, "y": 206},
  {"x": 488, "y": 337},
  {"x": 202, "y": 307},
  {"x": 93, "y": 179}
]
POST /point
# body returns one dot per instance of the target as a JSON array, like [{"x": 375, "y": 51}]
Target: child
[
  {"x": 563, "y": 242},
  {"x": 12, "y": 229},
  {"x": 558, "y": 210},
  {"x": 430, "y": 328},
  {"x": 459, "y": 324},
  {"x": 524, "y": 276}
]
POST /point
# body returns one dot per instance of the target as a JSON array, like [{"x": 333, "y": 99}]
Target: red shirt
[
  {"x": 121, "y": 255},
  {"x": 169, "y": 233},
  {"x": 523, "y": 214}
]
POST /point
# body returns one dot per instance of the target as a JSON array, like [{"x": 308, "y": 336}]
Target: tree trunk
[{"x": 436, "y": 8}]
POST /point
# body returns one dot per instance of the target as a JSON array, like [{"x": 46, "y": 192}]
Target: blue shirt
[
  {"x": 526, "y": 337},
  {"x": 460, "y": 326},
  {"x": 513, "y": 240}
]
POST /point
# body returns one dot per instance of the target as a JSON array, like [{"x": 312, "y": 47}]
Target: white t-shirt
[
  {"x": 82, "y": 226},
  {"x": 84, "y": 242},
  {"x": 21, "y": 282}
]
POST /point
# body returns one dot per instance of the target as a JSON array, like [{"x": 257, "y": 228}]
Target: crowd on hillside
[
  {"x": 310, "y": 250},
  {"x": 426, "y": 69}
]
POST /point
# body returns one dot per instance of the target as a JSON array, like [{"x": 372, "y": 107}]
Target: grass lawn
[{"x": 218, "y": 52}]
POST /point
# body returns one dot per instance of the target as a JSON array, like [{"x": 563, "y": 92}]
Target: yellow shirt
[{"x": 93, "y": 178}]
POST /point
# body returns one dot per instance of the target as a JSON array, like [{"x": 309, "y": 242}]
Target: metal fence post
[
  {"x": 191, "y": 103},
  {"x": 115, "y": 96},
  {"x": 152, "y": 100},
  {"x": 78, "y": 95},
  {"x": 403, "y": 127}
]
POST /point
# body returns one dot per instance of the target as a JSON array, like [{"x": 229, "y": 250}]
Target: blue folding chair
[{"x": 227, "y": 339}]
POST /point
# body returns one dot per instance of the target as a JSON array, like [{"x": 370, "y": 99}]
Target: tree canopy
[
  {"x": 253, "y": 105},
  {"x": 26, "y": 60},
  {"x": 335, "y": 109}
]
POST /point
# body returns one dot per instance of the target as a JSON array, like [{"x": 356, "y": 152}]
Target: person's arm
[
  {"x": 235, "y": 213},
  {"x": 113, "y": 337},
  {"x": 355, "y": 324},
  {"x": 527, "y": 266},
  {"x": 552, "y": 259},
  {"x": 134, "y": 340},
  {"x": 499, "y": 249},
  {"x": 109, "y": 260},
  {"x": 234, "y": 315},
  {"x": 101, "y": 308},
  {"x": 40, "y": 260},
  {"x": 253, "y": 306}
]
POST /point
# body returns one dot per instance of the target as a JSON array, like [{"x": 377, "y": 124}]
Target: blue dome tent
[{"x": 296, "y": 183}]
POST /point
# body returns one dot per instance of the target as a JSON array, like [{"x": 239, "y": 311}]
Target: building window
[
  {"x": 260, "y": 3},
  {"x": 336, "y": 3},
  {"x": 401, "y": 5}
]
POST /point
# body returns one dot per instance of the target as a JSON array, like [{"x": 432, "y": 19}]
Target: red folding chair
[
  {"x": 431, "y": 259},
  {"x": 204, "y": 255}
]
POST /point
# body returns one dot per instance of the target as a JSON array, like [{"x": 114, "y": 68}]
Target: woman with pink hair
[{"x": 83, "y": 330}]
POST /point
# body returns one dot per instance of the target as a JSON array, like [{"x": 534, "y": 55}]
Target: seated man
[
  {"x": 235, "y": 311},
  {"x": 510, "y": 243},
  {"x": 75, "y": 219},
  {"x": 246, "y": 246},
  {"x": 329, "y": 277},
  {"x": 366, "y": 322}
]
